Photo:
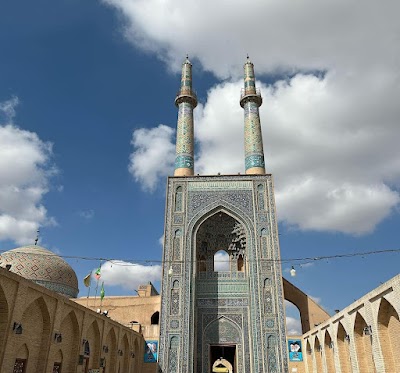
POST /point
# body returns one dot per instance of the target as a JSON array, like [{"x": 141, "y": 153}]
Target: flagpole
[
  {"x": 87, "y": 298},
  {"x": 97, "y": 275},
  {"x": 101, "y": 294},
  {"x": 95, "y": 294}
]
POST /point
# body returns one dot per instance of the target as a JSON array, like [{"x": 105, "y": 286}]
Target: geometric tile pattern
[
  {"x": 43, "y": 267},
  {"x": 237, "y": 307}
]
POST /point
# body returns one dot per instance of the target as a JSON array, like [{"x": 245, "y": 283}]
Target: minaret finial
[
  {"x": 37, "y": 236},
  {"x": 250, "y": 101},
  {"x": 186, "y": 101}
]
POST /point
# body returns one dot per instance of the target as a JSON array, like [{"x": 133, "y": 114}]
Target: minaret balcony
[
  {"x": 250, "y": 94},
  {"x": 186, "y": 95}
]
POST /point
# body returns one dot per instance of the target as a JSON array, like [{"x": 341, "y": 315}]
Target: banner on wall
[
  {"x": 150, "y": 351},
  {"x": 295, "y": 353}
]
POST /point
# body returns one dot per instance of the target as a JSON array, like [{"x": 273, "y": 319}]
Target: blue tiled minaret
[
  {"x": 186, "y": 101},
  {"x": 250, "y": 101}
]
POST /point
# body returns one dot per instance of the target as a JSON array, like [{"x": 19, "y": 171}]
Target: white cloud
[
  {"x": 279, "y": 35},
  {"x": 293, "y": 326},
  {"x": 331, "y": 138},
  {"x": 221, "y": 261},
  {"x": 153, "y": 155},
  {"x": 129, "y": 275},
  {"x": 25, "y": 170}
]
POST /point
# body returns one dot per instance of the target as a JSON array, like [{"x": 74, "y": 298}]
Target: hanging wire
[{"x": 133, "y": 262}]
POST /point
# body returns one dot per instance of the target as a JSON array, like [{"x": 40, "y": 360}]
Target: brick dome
[{"x": 43, "y": 267}]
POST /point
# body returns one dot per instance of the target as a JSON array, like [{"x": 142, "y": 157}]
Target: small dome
[{"x": 42, "y": 266}]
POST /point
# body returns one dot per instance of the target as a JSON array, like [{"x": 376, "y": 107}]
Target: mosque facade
[
  {"x": 221, "y": 307},
  {"x": 213, "y": 319}
]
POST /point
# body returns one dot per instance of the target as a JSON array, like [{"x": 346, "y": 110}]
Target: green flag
[
  {"x": 102, "y": 292},
  {"x": 97, "y": 274}
]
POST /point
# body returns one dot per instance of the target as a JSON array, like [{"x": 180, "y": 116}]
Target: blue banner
[
  {"x": 150, "y": 351},
  {"x": 295, "y": 353}
]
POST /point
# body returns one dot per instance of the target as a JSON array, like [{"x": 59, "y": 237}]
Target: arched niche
[
  {"x": 93, "y": 339},
  {"x": 155, "y": 318},
  {"x": 70, "y": 337},
  {"x": 329, "y": 352},
  {"x": 364, "y": 348},
  {"x": 389, "y": 335},
  {"x": 318, "y": 354},
  {"x": 111, "y": 350},
  {"x": 222, "y": 338},
  {"x": 343, "y": 342},
  {"x": 126, "y": 355},
  {"x": 220, "y": 242},
  {"x": 36, "y": 330}
]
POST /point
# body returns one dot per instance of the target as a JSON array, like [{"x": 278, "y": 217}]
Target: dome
[{"x": 43, "y": 267}]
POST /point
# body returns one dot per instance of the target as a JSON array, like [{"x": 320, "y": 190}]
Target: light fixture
[
  {"x": 331, "y": 344},
  {"x": 368, "y": 330},
  {"x": 132, "y": 354},
  {"x": 293, "y": 272},
  {"x": 57, "y": 337},
  {"x": 98, "y": 310},
  {"x": 17, "y": 327},
  {"x": 347, "y": 338},
  {"x": 105, "y": 313},
  {"x": 319, "y": 348},
  {"x": 170, "y": 271},
  {"x": 105, "y": 349},
  {"x": 84, "y": 341},
  {"x": 120, "y": 353},
  {"x": 8, "y": 266}
]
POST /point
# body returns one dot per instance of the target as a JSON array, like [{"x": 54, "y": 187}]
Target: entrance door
[
  {"x": 222, "y": 358},
  {"x": 19, "y": 366}
]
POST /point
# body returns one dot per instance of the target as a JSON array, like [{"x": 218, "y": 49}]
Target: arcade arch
[
  {"x": 389, "y": 335},
  {"x": 363, "y": 342}
]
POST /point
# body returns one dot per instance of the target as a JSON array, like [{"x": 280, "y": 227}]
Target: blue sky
[{"x": 86, "y": 87}]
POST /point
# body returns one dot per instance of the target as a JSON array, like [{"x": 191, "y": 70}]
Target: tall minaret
[
  {"x": 186, "y": 101},
  {"x": 250, "y": 101}
]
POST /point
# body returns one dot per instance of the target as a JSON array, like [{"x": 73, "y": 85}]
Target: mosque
[{"x": 207, "y": 318}]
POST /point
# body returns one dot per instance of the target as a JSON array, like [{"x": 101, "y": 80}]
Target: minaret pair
[{"x": 250, "y": 101}]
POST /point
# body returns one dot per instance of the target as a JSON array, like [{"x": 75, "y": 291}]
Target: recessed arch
[
  {"x": 318, "y": 354},
  {"x": 93, "y": 339},
  {"x": 329, "y": 349},
  {"x": 155, "y": 318},
  {"x": 220, "y": 241},
  {"x": 363, "y": 343},
  {"x": 136, "y": 355},
  {"x": 126, "y": 354},
  {"x": 228, "y": 209},
  {"x": 36, "y": 330},
  {"x": 389, "y": 335},
  {"x": 111, "y": 351},
  {"x": 343, "y": 341},
  {"x": 70, "y": 335}
]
